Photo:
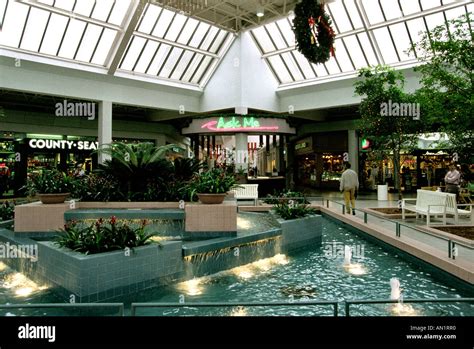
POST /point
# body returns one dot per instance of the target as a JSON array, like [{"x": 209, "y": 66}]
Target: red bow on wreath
[{"x": 314, "y": 33}]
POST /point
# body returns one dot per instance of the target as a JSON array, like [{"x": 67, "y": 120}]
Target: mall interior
[
  {"x": 137, "y": 114},
  {"x": 225, "y": 84}
]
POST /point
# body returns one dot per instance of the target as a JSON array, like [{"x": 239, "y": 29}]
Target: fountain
[
  {"x": 396, "y": 294},
  {"x": 395, "y": 289},
  {"x": 352, "y": 268},
  {"x": 347, "y": 255}
]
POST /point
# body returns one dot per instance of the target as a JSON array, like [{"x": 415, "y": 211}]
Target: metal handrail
[
  {"x": 119, "y": 306},
  {"x": 398, "y": 225},
  {"x": 134, "y": 306},
  {"x": 414, "y": 300}
]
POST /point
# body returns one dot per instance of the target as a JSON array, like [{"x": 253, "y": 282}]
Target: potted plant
[
  {"x": 52, "y": 186},
  {"x": 212, "y": 186}
]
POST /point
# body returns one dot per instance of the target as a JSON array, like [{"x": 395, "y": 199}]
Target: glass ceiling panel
[
  {"x": 355, "y": 52},
  {"x": 133, "y": 52},
  {"x": 103, "y": 48},
  {"x": 54, "y": 33},
  {"x": 181, "y": 66},
  {"x": 71, "y": 38},
  {"x": 199, "y": 34},
  {"x": 386, "y": 45},
  {"x": 149, "y": 19},
  {"x": 340, "y": 15},
  {"x": 401, "y": 39},
  {"x": 158, "y": 59},
  {"x": 165, "y": 44},
  {"x": 304, "y": 65},
  {"x": 409, "y": 7},
  {"x": 120, "y": 10},
  {"x": 391, "y": 9},
  {"x": 188, "y": 31},
  {"x": 357, "y": 45},
  {"x": 34, "y": 29},
  {"x": 89, "y": 41},
  {"x": 342, "y": 56},
  {"x": 146, "y": 57},
  {"x": 206, "y": 62},
  {"x": 84, "y": 7},
  {"x": 290, "y": 63},
  {"x": 197, "y": 45},
  {"x": 175, "y": 27},
  {"x": 190, "y": 69},
  {"x": 277, "y": 38},
  {"x": 218, "y": 42},
  {"x": 170, "y": 62}
]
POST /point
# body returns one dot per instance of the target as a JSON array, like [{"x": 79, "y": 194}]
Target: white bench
[
  {"x": 428, "y": 203},
  {"x": 246, "y": 191},
  {"x": 452, "y": 208}
]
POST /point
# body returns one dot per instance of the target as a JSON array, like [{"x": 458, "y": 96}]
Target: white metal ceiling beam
[
  {"x": 122, "y": 39},
  {"x": 175, "y": 44},
  {"x": 65, "y": 13}
]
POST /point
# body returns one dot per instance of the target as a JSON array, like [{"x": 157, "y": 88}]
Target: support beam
[
  {"x": 105, "y": 127},
  {"x": 122, "y": 39}
]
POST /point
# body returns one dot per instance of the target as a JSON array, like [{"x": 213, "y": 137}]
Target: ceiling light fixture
[{"x": 260, "y": 11}]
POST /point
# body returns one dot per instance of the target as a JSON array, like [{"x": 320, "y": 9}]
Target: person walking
[{"x": 349, "y": 186}]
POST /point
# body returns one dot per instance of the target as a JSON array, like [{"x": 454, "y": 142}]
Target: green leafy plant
[
  {"x": 7, "y": 210},
  {"x": 50, "y": 182},
  {"x": 215, "y": 181},
  {"x": 289, "y": 211},
  {"x": 94, "y": 187},
  {"x": 285, "y": 196},
  {"x": 447, "y": 56},
  {"x": 391, "y": 135},
  {"x": 103, "y": 236}
]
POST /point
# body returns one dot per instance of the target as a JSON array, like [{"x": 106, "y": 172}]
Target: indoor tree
[
  {"x": 447, "y": 56},
  {"x": 382, "y": 87}
]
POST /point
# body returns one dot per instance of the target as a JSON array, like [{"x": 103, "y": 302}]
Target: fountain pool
[{"x": 315, "y": 273}]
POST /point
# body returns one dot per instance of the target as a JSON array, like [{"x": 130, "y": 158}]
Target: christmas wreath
[{"x": 313, "y": 32}]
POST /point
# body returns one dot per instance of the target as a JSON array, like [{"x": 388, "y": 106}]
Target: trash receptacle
[{"x": 382, "y": 192}]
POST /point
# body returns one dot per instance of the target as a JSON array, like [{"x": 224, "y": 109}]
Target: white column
[
  {"x": 353, "y": 149},
  {"x": 160, "y": 140},
  {"x": 105, "y": 127},
  {"x": 241, "y": 152}
]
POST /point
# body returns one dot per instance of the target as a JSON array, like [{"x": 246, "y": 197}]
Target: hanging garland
[{"x": 313, "y": 32}]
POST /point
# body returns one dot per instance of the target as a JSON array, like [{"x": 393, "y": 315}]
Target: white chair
[
  {"x": 427, "y": 203},
  {"x": 246, "y": 192},
  {"x": 452, "y": 208}
]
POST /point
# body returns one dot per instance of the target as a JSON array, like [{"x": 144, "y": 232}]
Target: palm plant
[{"x": 135, "y": 166}]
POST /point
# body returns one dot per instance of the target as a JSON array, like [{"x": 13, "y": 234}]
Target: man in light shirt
[
  {"x": 349, "y": 185},
  {"x": 452, "y": 180}
]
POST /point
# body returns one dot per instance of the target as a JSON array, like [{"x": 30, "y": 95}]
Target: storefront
[
  {"x": 420, "y": 168},
  {"x": 23, "y": 154},
  {"x": 319, "y": 160}
]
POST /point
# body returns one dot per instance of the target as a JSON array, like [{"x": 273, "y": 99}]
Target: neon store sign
[
  {"x": 62, "y": 144},
  {"x": 235, "y": 125}
]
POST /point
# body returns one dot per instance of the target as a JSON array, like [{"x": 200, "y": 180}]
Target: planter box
[
  {"x": 433, "y": 230},
  {"x": 38, "y": 217},
  {"x": 301, "y": 232},
  {"x": 211, "y": 220},
  {"x": 104, "y": 276}
]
